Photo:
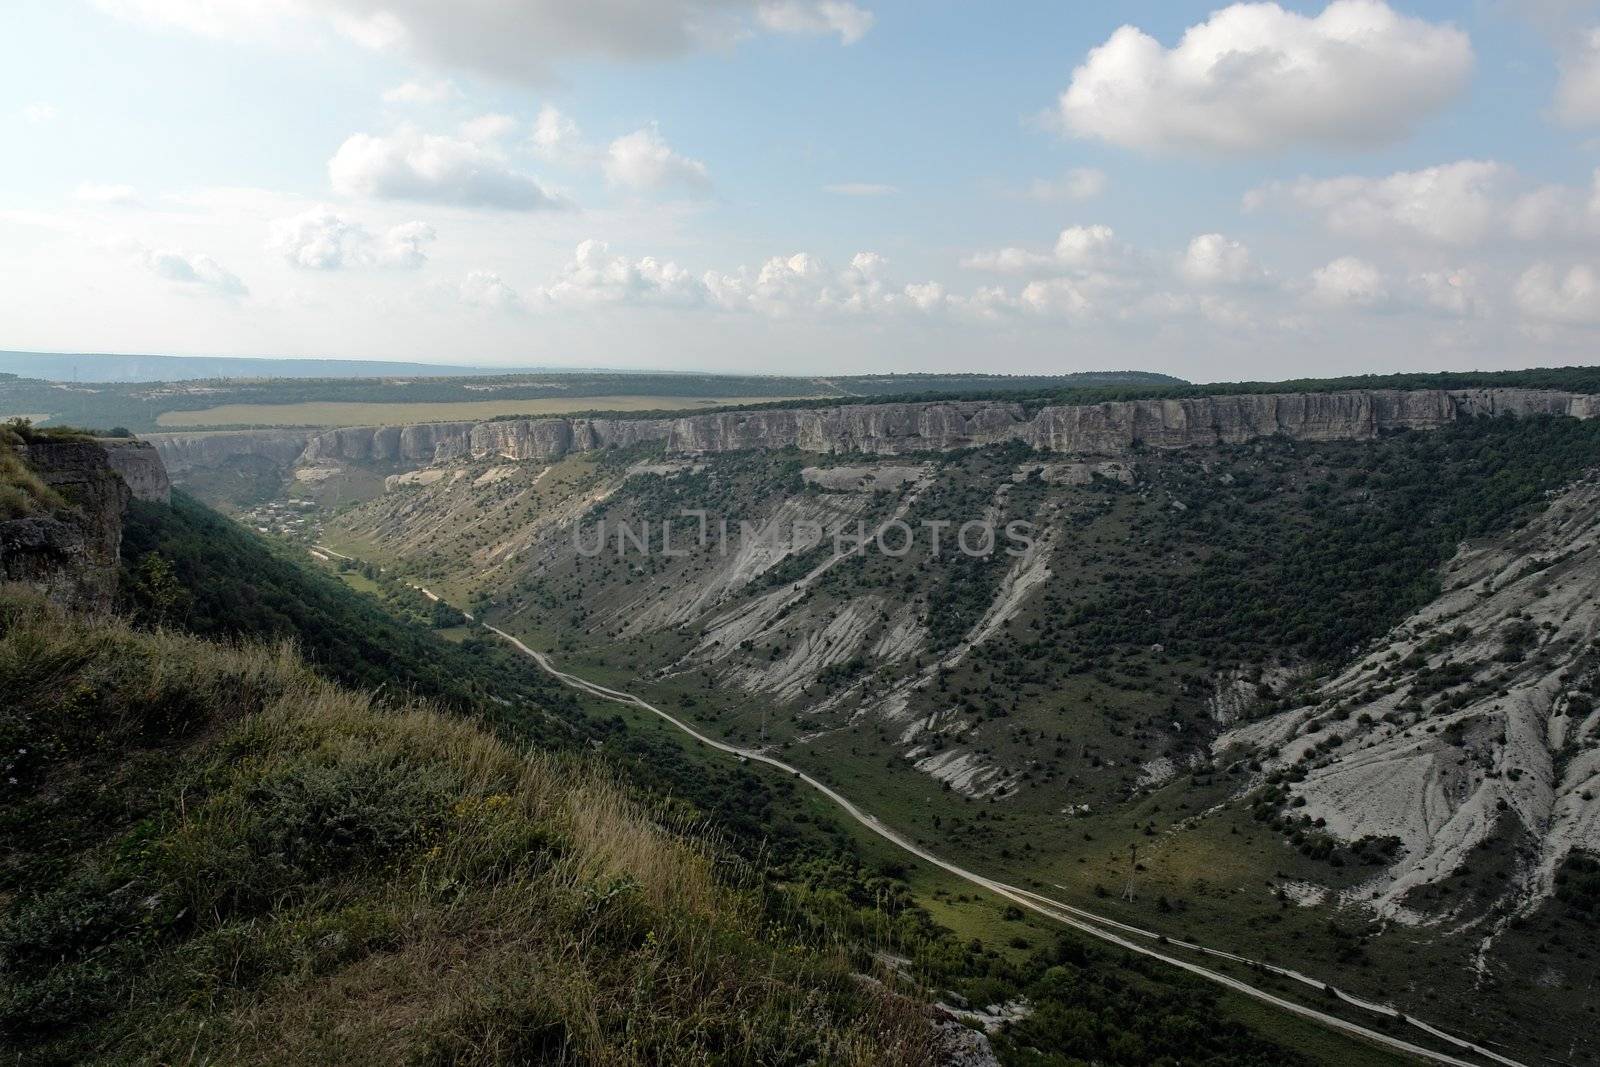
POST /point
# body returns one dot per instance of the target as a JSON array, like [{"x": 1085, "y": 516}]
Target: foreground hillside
[
  {"x": 213, "y": 855},
  {"x": 205, "y": 845}
]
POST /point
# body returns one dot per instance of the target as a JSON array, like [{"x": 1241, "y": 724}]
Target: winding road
[
  {"x": 1105, "y": 929},
  {"x": 1123, "y": 935}
]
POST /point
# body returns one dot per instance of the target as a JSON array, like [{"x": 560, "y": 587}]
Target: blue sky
[{"x": 806, "y": 185}]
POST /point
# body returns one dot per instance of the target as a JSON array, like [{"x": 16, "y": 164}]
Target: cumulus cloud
[
  {"x": 1454, "y": 204},
  {"x": 193, "y": 271},
  {"x": 1453, "y": 292},
  {"x": 557, "y": 137},
  {"x": 1577, "y": 101},
  {"x": 1469, "y": 202},
  {"x": 1212, "y": 259},
  {"x": 1257, "y": 78},
  {"x": 643, "y": 161},
  {"x": 38, "y": 113},
  {"x": 1079, "y": 183},
  {"x": 1078, "y": 248},
  {"x": 487, "y": 128},
  {"x": 403, "y": 245},
  {"x": 1349, "y": 282},
  {"x": 1547, "y": 294},
  {"x": 817, "y": 17},
  {"x": 412, "y": 165},
  {"x": 486, "y": 289},
  {"x": 323, "y": 239},
  {"x": 422, "y": 92},
  {"x": 789, "y": 285},
  {"x": 596, "y": 276},
  {"x": 521, "y": 42}
]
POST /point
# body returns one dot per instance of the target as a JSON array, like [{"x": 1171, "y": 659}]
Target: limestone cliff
[
  {"x": 184, "y": 452},
  {"x": 1111, "y": 429},
  {"x": 72, "y": 555}
]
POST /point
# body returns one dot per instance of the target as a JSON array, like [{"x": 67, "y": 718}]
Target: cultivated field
[{"x": 324, "y": 413}]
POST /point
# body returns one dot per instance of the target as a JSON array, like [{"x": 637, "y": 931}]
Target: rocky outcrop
[
  {"x": 139, "y": 465},
  {"x": 183, "y": 452},
  {"x": 427, "y": 442},
  {"x": 73, "y": 556},
  {"x": 1110, "y": 429}
]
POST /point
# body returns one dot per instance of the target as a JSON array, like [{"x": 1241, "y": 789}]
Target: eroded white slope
[{"x": 1513, "y": 739}]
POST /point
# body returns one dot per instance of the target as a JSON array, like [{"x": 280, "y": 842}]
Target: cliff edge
[{"x": 64, "y": 538}]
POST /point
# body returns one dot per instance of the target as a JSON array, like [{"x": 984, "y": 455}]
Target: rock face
[
  {"x": 140, "y": 466},
  {"x": 1109, "y": 429},
  {"x": 73, "y": 557},
  {"x": 183, "y": 452}
]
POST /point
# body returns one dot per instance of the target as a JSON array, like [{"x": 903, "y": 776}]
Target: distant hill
[
  {"x": 122, "y": 368},
  {"x": 104, "y": 367}
]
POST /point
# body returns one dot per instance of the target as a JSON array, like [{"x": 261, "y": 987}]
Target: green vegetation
[
  {"x": 22, "y": 493},
  {"x": 1308, "y": 550},
  {"x": 213, "y": 854},
  {"x": 212, "y": 851},
  {"x": 187, "y": 566}
]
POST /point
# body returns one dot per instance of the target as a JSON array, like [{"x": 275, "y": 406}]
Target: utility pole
[{"x": 1133, "y": 869}]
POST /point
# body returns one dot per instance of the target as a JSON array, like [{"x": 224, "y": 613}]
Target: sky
[{"x": 1255, "y": 191}]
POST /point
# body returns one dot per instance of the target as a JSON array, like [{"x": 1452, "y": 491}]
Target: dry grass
[
  {"x": 21, "y": 490},
  {"x": 315, "y": 878}
]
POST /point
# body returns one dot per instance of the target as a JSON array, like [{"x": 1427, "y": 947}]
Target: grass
[
  {"x": 22, "y": 492},
  {"x": 213, "y": 855},
  {"x": 329, "y": 413}
]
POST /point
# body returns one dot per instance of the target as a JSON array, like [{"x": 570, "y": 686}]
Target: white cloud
[
  {"x": 803, "y": 283},
  {"x": 319, "y": 239},
  {"x": 1349, "y": 282},
  {"x": 487, "y": 128},
  {"x": 1059, "y": 297},
  {"x": 1212, "y": 259},
  {"x": 1455, "y": 292},
  {"x": 926, "y": 296},
  {"x": 1079, "y": 183},
  {"x": 595, "y": 276},
  {"x": 817, "y": 17},
  {"x": 1544, "y": 293},
  {"x": 861, "y": 189},
  {"x": 38, "y": 113},
  {"x": 522, "y": 42},
  {"x": 1078, "y": 248},
  {"x": 422, "y": 92},
  {"x": 1466, "y": 203},
  {"x": 191, "y": 270},
  {"x": 486, "y": 289},
  {"x": 1089, "y": 247},
  {"x": 1257, "y": 78},
  {"x": 1011, "y": 260},
  {"x": 557, "y": 137},
  {"x": 411, "y": 165},
  {"x": 403, "y": 245},
  {"x": 101, "y": 193},
  {"x": 323, "y": 239},
  {"x": 1577, "y": 101},
  {"x": 1453, "y": 204},
  {"x": 644, "y": 161}
]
